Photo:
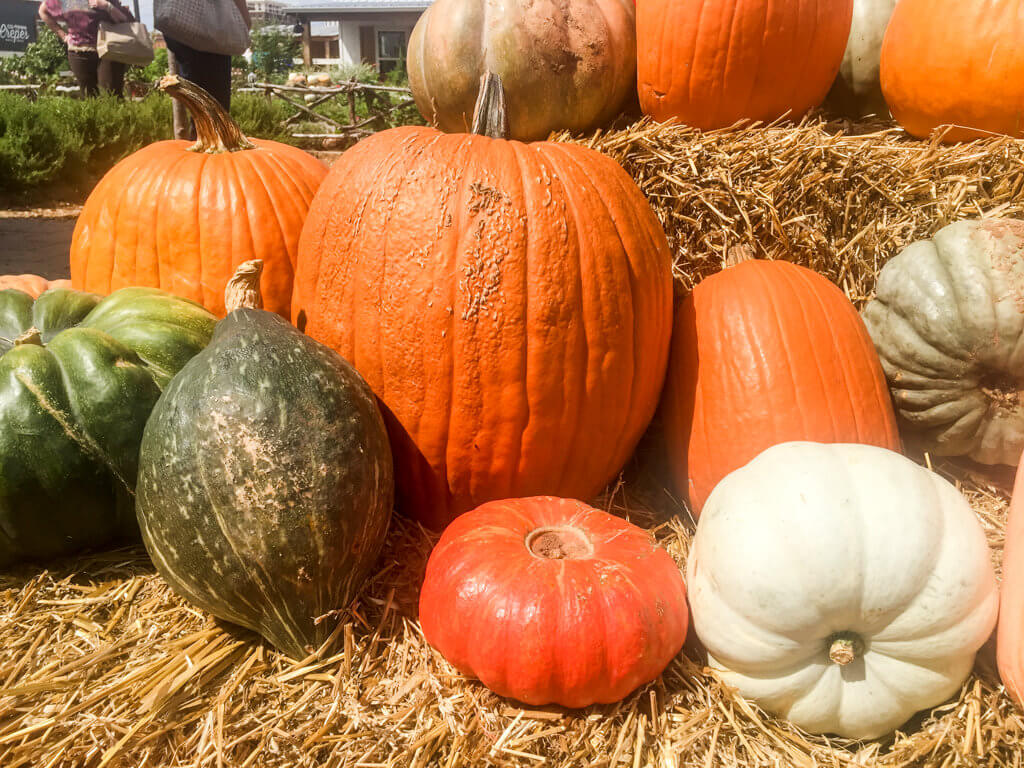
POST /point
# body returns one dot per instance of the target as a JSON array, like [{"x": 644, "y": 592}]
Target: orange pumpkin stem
[
  {"x": 243, "y": 289},
  {"x": 737, "y": 255},
  {"x": 490, "y": 115},
  {"x": 216, "y": 131}
]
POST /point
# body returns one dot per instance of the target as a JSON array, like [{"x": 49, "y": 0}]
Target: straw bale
[
  {"x": 101, "y": 665},
  {"x": 840, "y": 198}
]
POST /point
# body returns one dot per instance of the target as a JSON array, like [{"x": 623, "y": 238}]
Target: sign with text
[{"x": 17, "y": 25}]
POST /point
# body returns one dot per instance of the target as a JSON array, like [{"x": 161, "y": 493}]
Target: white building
[
  {"x": 339, "y": 32},
  {"x": 266, "y": 10}
]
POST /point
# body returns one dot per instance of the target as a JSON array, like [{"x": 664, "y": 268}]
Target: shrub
[
  {"x": 261, "y": 117},
  {"x": 73, "y": 141},
  {"x": 42, "y": 61}
]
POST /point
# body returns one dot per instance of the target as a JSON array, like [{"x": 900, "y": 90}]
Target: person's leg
[
  {"x": 220, "y": 78},
  {"x": 85, "y": 67},
  {"x": 111, "y": 77},
  {"x": 210, "y": 71}
]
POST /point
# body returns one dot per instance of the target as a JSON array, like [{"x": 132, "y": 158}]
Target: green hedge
[
  {"x": 73, "y": 141},
  {"x": 62, "y": 146}
]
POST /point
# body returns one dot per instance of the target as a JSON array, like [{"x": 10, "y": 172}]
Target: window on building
[{"x": 390, "y": 50}]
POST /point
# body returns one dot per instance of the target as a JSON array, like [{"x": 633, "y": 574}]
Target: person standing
[
  {"x": 82, "y": 21},
  {"x": 209, "y": 69}
]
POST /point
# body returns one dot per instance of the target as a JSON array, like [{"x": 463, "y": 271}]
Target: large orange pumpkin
[
  {"x": 768, "y": 352},
  {"x": 1010, "y": 632},
  {"x": 949, "y": 62},
  {"x": 509, "y": 303},
  {"x": 711, "y": 63},
  {"x": 183, "y": 216}
]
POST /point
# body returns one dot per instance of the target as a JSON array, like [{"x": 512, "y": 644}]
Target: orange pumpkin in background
[
  {"x": 1010, "y": 631},
  {"x": 182, "y": 216},
  {"x": 510, "y": 305},
  {"x": 33, "y": 285},
  {"x": 948, "y": 62},
  {"x": 711, "y": 63},
  {"x": 768, "y": 352}
]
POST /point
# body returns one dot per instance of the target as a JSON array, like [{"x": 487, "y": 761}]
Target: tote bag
[
  {"x": 213, "y": 26},
  {"x": 128, "y": 43}
]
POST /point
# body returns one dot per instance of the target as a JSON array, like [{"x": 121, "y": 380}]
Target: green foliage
[
  {"x": 42, "y": 61},
  {"x": 72, "y": 141},
  {"x": 273, "y": 50},
  {"x": 397, "y": 77},
  {"x": 150, "y": 73},
  {"x": 261, "y": 117},
  {"x": 361, "y": 73}
]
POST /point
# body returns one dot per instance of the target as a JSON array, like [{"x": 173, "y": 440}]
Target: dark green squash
[
  {"x": 79, "y": 375},
  {"x": 265, "y": 482}
]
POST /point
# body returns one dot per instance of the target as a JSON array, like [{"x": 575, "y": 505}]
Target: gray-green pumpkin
[
  {"x": 948, "y": 323},
  {"x": 79, "y": 375},
  {"x": 265, "y": 481}
]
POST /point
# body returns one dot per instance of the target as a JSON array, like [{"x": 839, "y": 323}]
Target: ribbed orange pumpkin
[
  {"x": 509, "y": 303},
  {"x": 33, "y": 285},
  {"x": 711, "y": 63},
  {"x": 949, "y": 62},
  {"x": 1010, "y": 632},
  {"x": 182, "y": 217},
  {"x": 768, "y": 352}
]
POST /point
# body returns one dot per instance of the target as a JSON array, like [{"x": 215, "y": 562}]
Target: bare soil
[{"x": 37, "y": 240}]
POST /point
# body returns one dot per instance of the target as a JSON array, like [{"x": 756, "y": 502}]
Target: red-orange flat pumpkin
[{"x": 768, "y": 352}]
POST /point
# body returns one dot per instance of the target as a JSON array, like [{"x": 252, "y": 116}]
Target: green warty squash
[{"x": 266, "y": 483}]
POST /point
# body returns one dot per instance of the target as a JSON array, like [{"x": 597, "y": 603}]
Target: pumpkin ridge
[
  {"x": 816, "y": 288},
  {"x": 254, "y": 165},
  {"x": 164, "y": 178},
  {"x": 828, "y": 318},
  {"x": 781, "y": 333},
  {"x": 462, "y": 182},
  {"x": 621, "y": 221},
  {"x": 300, "y": 190},
  {"x": 574, "y": 242},
  {"x": 123, "y": 191},
  {"x": 79, "y": 438},
  {"x": 521, "y": 381}
]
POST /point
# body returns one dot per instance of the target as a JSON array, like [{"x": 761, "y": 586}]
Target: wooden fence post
[{"x": 179, "y": 115}]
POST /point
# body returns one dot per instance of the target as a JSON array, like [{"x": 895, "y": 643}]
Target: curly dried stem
[
  {"x": 216, "y": 131},
  {"x": 31, "y": 336}
]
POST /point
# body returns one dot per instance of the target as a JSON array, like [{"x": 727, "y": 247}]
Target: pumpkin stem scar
[
  {"x": 81, "y": 439},
  {"x": 216, "y": 131},
  {"x": 845, "y": 647},
  {"x": 31, "y": 336},
  {"x": 559, "y": 542},
  {"x": 490, "y": 116}
]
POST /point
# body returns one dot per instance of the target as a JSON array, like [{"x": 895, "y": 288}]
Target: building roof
[
  {"x": 329, "y": 6},
  {"x": 324, "y": 29}
]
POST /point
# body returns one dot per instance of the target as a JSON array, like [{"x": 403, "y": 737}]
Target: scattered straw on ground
[{"x": 101, "y": 665}]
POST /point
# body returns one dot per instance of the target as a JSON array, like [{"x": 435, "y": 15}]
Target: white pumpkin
[
  {"x": 857, "y": 91},
  {"x": 843, "y": 587}
]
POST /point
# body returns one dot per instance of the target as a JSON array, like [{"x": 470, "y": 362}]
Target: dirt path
[{"x": 37, "y": 241}]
